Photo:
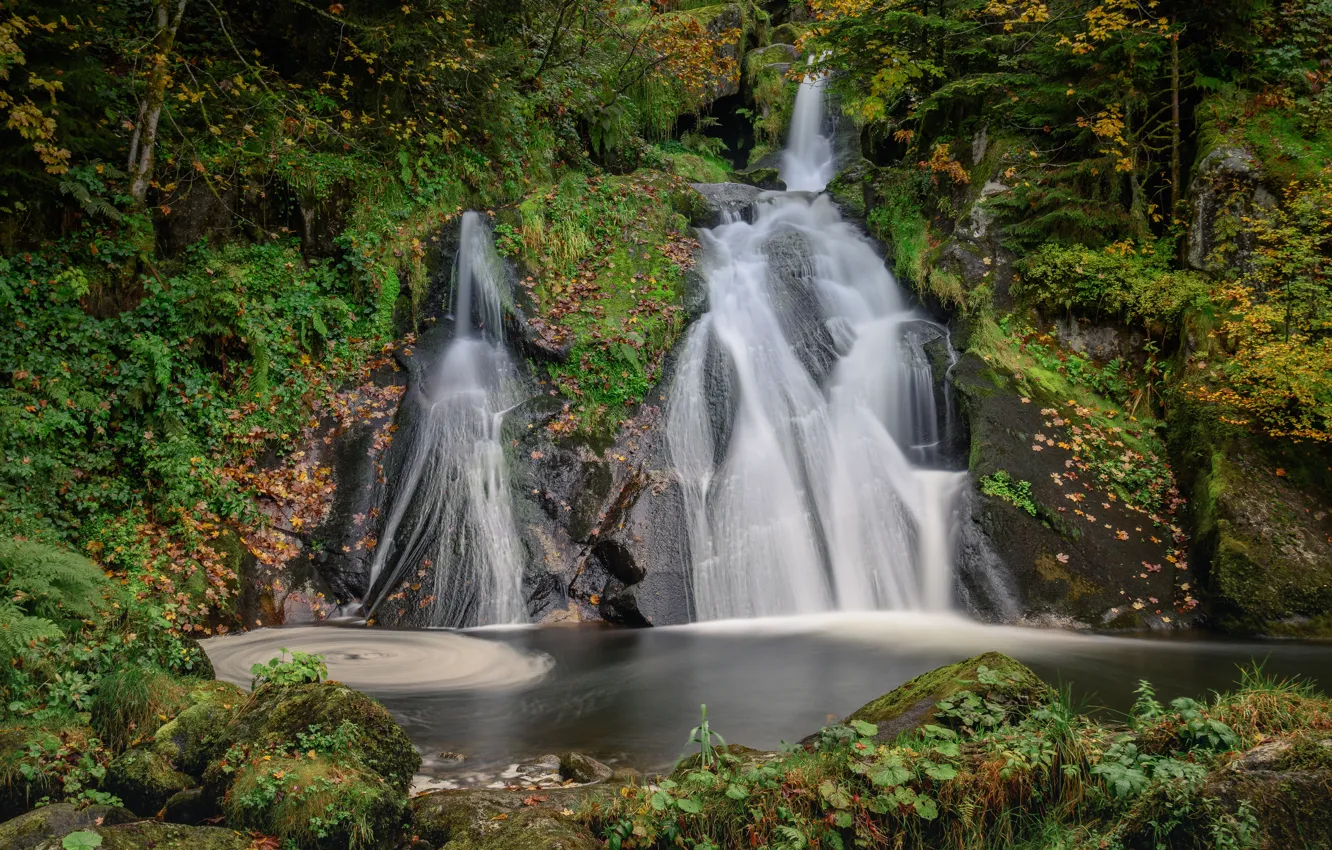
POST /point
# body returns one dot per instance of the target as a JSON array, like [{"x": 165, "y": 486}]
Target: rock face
[
  {"x": 725, "y": 200},
  {"x": 1227, "y": 187},
  {"x": 1085, "y": 584},
  {"x": 1264, "y": 525},
  {"x": 995, "y": 677}
]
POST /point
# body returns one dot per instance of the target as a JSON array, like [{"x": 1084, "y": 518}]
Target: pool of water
[{"x": 630, "y": 697}]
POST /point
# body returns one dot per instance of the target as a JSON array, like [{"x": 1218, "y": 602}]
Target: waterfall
[
  {"x": 802, "y": 421},
  {"x": 807, "y": 164},
  {"x": 449, "y": 553}
]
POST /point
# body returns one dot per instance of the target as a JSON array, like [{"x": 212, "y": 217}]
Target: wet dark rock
[
  {"x": 191, "y": 806},
  {"x": 1086, "y": 585},
  {"x": 763, "y": 177},
  {"x": 1262, "y": 516},
  {"x": 55, "y": 821},
  {"x": 725, "y": 200},
  {"x": 145, "y": 779},
  {"x": 583, "y": 769},
  {"x": 796, "y": 299}
]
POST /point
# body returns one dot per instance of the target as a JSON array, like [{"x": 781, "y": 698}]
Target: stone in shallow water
[{"x": 583, "y": 769}]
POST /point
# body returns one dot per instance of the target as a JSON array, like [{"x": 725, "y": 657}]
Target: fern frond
[
  {"x": 18, "y": 631},
  {"x": 47, "y": 583}
]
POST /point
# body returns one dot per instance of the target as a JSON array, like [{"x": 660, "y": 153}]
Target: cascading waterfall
[
  {"x": 802, "y": 421},
  {"x": 449, "y": 549}
]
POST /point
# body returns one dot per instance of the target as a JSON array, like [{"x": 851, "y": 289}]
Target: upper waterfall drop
[
  {"x": 802, "y": 420},
  {"x": 449, "y": 525},
  {"x": 807, "y": 162}
]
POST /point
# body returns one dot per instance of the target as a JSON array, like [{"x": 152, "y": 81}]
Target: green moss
[
  {"x": 58, "y": 819},
  {"x": 276, "y": 716},
  {"x": 912, "y": 705},
  {"x": 695, "y": 166},
  {"x": 314, "y": 802},
  {"x": 151, "y": 835},
  {"x": 197, "y": 735},
  {"x": 500, "y": 820},
  {"x": 608, "y": 257},
  {"x": 1287, "y": 149},
  {"x": 144, "y": 779}
]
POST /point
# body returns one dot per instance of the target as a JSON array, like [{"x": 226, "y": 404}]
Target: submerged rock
[
  {"x": 997, "y": 678},
  {"x": 583, "y": 769},
  {"x": 57, "y": 820}
]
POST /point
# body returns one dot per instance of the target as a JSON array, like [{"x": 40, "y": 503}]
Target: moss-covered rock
[
  {"x": 197, "y": 735},
  {"x": 315, "y": 802},
  {"x": 145, "y": 779},
  {"x": 1262, "y": 518},
  {"x": 34, "y": 759},
  {"x": 508, "y": 820},
  {"x": 152, "y": 835},
  {"x": 763, "y": 178},
  {"x": 56, "y": 821},
  {"x": 737, "y": 755},
  {"x": 998, "y": 678},
  {"x": 274, "y": 718}
]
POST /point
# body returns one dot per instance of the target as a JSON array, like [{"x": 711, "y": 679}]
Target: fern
[
  {"x": 19, "y": 631},
  {"x": 48, "y": 584},
  {"x": 91, "y": 204}
]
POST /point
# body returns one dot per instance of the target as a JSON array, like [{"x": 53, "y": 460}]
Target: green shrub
[
  {"x": 1016, "y": 492},
  {"x": 1121, "y": 282},
  {"x": 303, "y": 668}
]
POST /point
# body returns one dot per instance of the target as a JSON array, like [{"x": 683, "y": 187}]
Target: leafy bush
[
  {"x": 303, "y": 668},
  {"x": 1119, "y": 281},
  {"x": 1001, "y": 485}
]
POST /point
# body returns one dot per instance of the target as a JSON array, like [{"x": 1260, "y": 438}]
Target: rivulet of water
[
  {"x": 449, "y": 523},
  {"x": 802, "y": 420}
]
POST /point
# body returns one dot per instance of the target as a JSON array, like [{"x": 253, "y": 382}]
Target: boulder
[
  {"x": 508, "y": 820},
  {"x": 57, "y": 820},
  {"x": 276, "y": 715},
  {"x": 725, "y": 200},
  {"x": 191, "y": 806},
  {"x": 1226, "y": 189},
  {"x": 583, "y": 769},
  {"x": 197, "y": 735},
  {"x": 24, "y": 779},
  {"x": 315, "y": 803},
  {"x": 145, "y": 779},
  {"x": 1262, "y": 515},
  {"x": 762, "y": 177},
  {"x": 153, "y": 835},
  {"x": 996, "y": 677}
]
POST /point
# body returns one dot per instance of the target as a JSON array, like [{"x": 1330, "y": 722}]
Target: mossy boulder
[
  {"x": 763, "y": 178},
  {"x": 31, "y": 762},
  {"x": 997, "y": 678},
  {"x": 29, "y": 830},
  {"x": 198, "y": 735},
  {"x": 275, "y": 716},
  {"x": 737, "y": 755},
  {"x": 153, "y": 835},
  {"x": 1262, "y": 516},
  {"x": 314, "y": 802},
  {"x": 145, "y": 779},
  {"x": 508, "y": 820}
]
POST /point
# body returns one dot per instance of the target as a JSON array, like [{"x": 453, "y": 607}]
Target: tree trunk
[
  {"x": 150, "y": 110},
  {"x": 1175, "y": 177}
]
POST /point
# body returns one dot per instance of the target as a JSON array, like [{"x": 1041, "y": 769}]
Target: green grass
[{"x": 607, "y": 257}]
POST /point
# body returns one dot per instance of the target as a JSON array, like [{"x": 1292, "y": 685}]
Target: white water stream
[
  {"x": 449, "y": 526},
  {"x": 803, "y": 411}
]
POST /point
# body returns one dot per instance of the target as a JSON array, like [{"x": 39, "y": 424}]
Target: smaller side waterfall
[{"x": 448, "y": 551}]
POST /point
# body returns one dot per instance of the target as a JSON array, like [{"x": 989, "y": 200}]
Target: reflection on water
[{"x": 630, "y": 697}]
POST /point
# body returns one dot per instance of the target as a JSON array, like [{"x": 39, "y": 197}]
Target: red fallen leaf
[{"x": 534, "y": 799}]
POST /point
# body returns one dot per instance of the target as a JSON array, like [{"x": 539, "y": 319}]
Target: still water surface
[{"x": 629, "y": 697}]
